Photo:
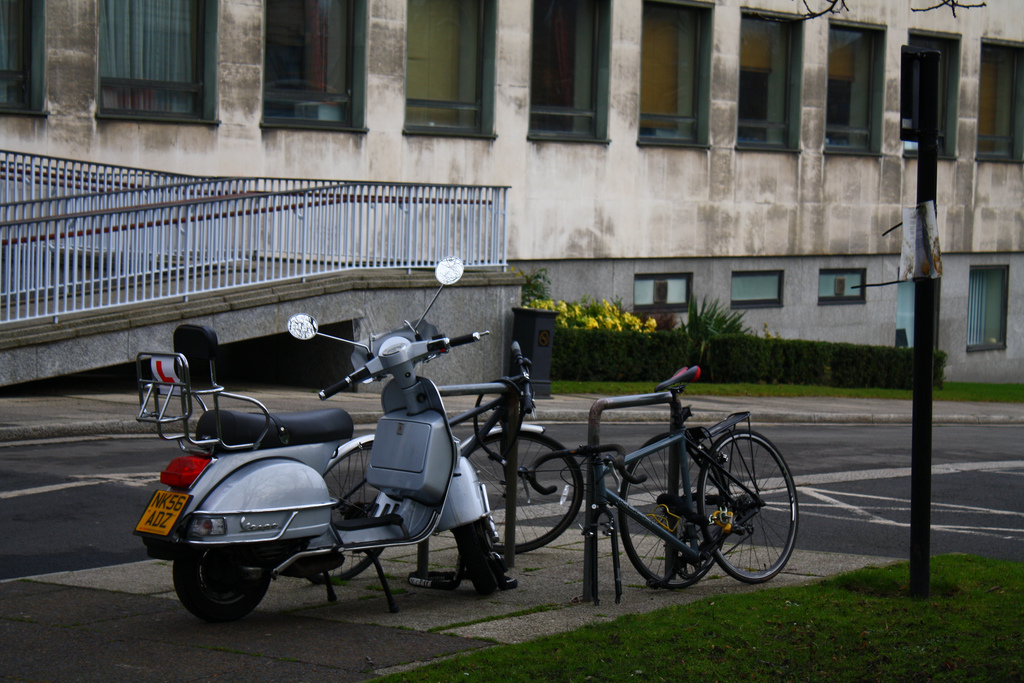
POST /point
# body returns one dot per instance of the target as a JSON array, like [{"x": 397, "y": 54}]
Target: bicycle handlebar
[{"x": 522, "y": 364}]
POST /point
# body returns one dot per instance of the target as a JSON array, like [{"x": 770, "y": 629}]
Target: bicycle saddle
[{"x": 682, "y": 377}]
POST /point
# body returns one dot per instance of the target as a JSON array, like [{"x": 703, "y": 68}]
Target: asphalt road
[{"x": 73, "y": 505}]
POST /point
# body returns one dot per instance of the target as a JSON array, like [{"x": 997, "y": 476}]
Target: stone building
[{"x": 655, "y": 151}]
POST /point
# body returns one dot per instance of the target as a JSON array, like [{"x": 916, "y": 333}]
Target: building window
[
  {"x": 15, "y": 56},
  {"x": 949, "y": 86},
  {"x": 449, "y": 45},
  {"x": 999, "y": 130},
  {"x": 841, "y": 287},
  {"x": 569, "y": 69},
  {"x": 661, "y": 292},
  {"x": 852, "y": 111},
  {"x": 152, "y": 58},
  {"x": 986, "y": 308},
  {"x": 674, "y": 78},
  {"x": 769, "y": 94},
  {"x": 751, "y": 289},
  {"x": 310, "y": 64}
]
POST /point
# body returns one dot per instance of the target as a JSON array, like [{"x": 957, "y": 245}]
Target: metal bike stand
[
  {"x": 511, "y": 462},
  {"x": 590, "y": 502}
]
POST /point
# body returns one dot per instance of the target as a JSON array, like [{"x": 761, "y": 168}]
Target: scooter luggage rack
[{"x": 157, "y": 404}]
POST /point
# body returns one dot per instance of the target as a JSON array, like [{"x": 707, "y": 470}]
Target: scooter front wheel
[
  {"x": 214, "y": 588},
  {"x": 474, "y": 551}
]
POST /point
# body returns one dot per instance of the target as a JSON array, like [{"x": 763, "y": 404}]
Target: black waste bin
[{"x": 534, "y": 329}]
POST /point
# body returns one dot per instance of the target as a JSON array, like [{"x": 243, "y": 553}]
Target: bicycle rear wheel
[
  {"x": 661, "y": 565},
  {"x": 549, "y": 489},
  {"x": 346, "y": 481},
  {"x": 761, "y": 498}
]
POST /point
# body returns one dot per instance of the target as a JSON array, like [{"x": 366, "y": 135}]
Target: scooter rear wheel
[
  {"x": 212, "y": 587},
  {"x": 474, "y": 549}
]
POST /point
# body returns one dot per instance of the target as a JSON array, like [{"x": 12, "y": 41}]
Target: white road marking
[
  {"x": 125, "y": 478},
  {"x": 845, "y": 506}
]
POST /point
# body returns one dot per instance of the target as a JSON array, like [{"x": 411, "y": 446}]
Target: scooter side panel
[{"x": 268, "y": 500}]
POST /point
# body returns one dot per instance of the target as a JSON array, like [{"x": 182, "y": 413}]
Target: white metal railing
[
  {"x": 24, "y": 177},
  {"x": 60, "y": 260},
  {"x": 192, "y": 190}
]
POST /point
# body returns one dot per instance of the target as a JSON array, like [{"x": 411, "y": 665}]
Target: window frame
[
  {"x": 949, "y": 78},
  {"x": 687, "y": 278},
  {"x": 599, "y": 85},
  {"x": 794, "y": 85},
  {"x": 702, "y": 80},
  {"x": 1016, "y": 152},
  {"x": 355, "y": 77},
  {"x": 767, "y": 302},
  {"x": 30, "y": 75},
  {"x": 203, "y": 86},
  {"x": 1004, "y": 308},
  {"x": 859, "y": 298},
  {"x": 875, "y": 89},
  {"x": 485, "y": 83}
]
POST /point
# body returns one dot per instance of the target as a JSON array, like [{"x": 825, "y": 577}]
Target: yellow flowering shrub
[{"x": 588, "y": 314}]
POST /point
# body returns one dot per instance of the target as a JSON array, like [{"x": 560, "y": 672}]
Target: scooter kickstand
[
  {"x": 331, "y": 595},
  {"x": 392, "y": 605}
]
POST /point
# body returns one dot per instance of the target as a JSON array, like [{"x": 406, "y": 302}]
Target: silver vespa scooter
[{"x": 247, "y": 502}]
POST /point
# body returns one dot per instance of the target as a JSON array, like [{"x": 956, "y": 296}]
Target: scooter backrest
[{"x": 196, "y": 342}]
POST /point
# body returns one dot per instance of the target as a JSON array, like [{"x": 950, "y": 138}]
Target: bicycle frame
[{"x": 680, "y": 446}]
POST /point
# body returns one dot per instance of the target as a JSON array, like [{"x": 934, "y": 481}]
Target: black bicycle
[{"x": 689, "y": 498}]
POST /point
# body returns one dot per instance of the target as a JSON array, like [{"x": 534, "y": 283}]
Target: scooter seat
[{"x": 286, "y": 429}]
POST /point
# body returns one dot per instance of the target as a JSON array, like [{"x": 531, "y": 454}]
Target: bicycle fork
[{"x": 598, "y": 512}]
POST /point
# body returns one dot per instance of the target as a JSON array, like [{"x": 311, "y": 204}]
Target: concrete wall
[
  {"x": 601, "y": 200},
  {"x": 369, "y": 304},
  {"x": 577, "y": 200},
  {"x": 802, "y": 317}
]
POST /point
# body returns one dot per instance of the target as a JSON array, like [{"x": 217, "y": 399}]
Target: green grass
[
  {"x": 951, "y": 391},
  {"x": 861, "y": 626}
]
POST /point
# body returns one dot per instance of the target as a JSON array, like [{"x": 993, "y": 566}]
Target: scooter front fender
[
  {"x": 467, "y": 499},
  {"x": 266, "y": 500}
]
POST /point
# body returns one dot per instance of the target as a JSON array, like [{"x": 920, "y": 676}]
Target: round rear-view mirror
[
  {"x": 302, "y": 326},
  {"x": 449, "y": 270}
]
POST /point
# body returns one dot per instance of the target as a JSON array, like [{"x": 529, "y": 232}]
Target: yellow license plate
[{"x": 162, "y": 512}]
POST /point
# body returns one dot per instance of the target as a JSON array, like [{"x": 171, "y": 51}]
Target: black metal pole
[{"x": 924, "y": 339}]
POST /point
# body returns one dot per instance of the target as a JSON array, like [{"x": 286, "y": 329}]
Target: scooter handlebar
[
  {"x": 357, "y": 376},
  {"x": 467, "y": 338}
]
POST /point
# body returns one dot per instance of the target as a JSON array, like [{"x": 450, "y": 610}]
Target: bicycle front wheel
[
  {"x": 548, "y": 490},
  {"x": 659, "y": 563},
  {"x": 346, "y": 481},
  {"x": 752, "y": 495}
]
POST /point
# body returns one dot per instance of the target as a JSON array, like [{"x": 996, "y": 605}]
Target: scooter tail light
[{"x": 182, "y": 472}]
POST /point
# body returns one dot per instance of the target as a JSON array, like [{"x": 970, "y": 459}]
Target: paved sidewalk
[
  {"x": 124, "y": 623},
  {"x": 99, "y": 408}
]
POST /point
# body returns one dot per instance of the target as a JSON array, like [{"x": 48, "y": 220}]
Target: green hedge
[
  {"x": 606, "y": 355},
  {"x": 603, "y": 355}
]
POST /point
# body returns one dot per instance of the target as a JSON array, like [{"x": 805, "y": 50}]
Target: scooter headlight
[{"x": 202, "y": 527}]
